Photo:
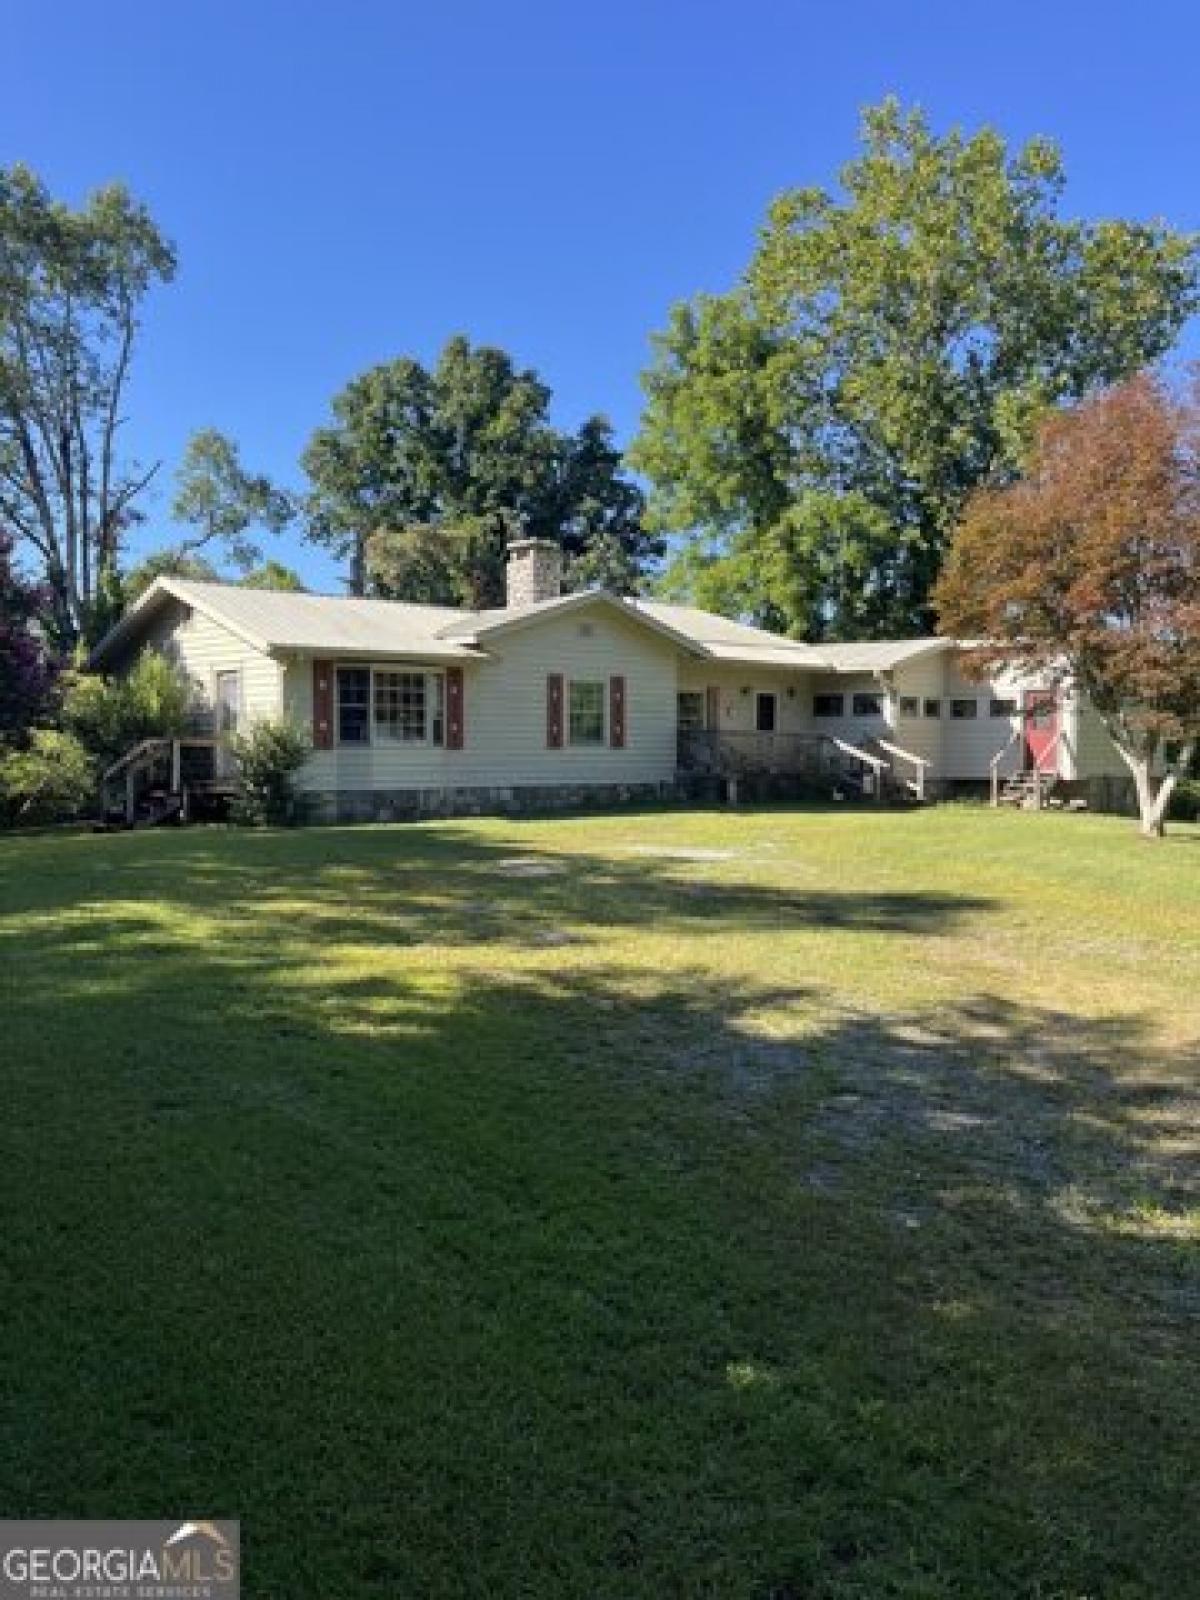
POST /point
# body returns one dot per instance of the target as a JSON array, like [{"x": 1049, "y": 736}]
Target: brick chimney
[{"x": 534, "y": 572}]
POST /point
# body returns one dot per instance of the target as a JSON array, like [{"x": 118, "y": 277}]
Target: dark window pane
[
  {"x": 354, "y": 705},
  {"x": 691, "y": 710}
]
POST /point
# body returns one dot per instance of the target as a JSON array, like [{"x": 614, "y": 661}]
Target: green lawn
[{"x": 537, "y": 1210}]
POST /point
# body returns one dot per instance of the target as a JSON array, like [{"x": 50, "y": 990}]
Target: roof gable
[
  {"x": 277, "y": 620},
  {"x": 483, "y": 625}
]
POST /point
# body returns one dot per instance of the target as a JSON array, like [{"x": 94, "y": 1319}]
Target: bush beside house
[{"x": 268, "y": 757}]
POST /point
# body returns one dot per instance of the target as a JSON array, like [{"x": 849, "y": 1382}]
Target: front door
[
  {"x": 227, "y": 700},
  {"x": 1041, "y": 730},
  {"x": 764, "y": 713}
]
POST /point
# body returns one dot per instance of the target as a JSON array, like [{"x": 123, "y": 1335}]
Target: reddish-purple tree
[
  {"x": 1089, "y": 568},
  {"x": 26, "y": 670}
]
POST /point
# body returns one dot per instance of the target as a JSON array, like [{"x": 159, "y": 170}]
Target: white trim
[
  {"x": 215, "y": 674},
  {"x": 416, "y": 669},
  {"x": 602, "y": 743}
]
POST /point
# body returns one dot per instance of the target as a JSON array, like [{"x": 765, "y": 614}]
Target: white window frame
[
  {"x": 435, "y": 705},
  {"x": 587, "y": 683},
  {"x": 214, "y": 702}
]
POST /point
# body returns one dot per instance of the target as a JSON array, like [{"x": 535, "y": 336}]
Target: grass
[{"x": 742, "y": 1206}]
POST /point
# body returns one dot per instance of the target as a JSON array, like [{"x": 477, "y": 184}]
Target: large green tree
[
  {"x": 425, "y": 474},
  {"x": 223, "y": 507},
  {"x": 221, "y": 502},
  {"x": 72, "y": 283},
  {"x": 812, "y": 436}
]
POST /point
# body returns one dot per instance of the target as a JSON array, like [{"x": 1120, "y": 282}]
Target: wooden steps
[{"x": 1027, "y": 790}]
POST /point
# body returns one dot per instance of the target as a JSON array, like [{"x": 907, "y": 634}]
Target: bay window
[{"x": 387, "y": 705}]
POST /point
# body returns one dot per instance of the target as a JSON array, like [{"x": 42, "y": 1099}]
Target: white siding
[
  {"x": 505, "y": 715},
  {"x": 854, "y": 729},
  {"x": 969, "y": 746},
  {"x": 739, "y": 687},
  {"x": 923, "y": 679},
  {"x": 202, "y": 648},
  {"x": 1090, "y": 752}
]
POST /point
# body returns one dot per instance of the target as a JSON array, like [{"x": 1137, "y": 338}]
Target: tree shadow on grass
[
  {"x": 462, "y": 887},
  {"x": 575, "y": 1280}
]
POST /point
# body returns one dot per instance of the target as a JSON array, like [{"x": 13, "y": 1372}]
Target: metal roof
[
  {"x": 275, "y": 621},
  {"x": 879, "y": 655},
  {"x": 726, "y": 640}
]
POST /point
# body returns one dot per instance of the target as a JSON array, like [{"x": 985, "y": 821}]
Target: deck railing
[
  {"x": 822, "y": 757},
  {"x": 733, "y": 753},
  {"x": 148, "y": 756},
  {"x": 919, "y": 764}
]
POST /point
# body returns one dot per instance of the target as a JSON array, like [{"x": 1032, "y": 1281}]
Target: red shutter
[
  {"x": 616, "y": 713},
  {"x": 322, "y": 700},
  {"x": 712, "y": 708},
  {"x": 554, "y": 711},
  {"x": 455, "y": 726}
]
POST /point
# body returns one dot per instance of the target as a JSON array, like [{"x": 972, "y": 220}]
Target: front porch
[{"x": 874, "y": 770}]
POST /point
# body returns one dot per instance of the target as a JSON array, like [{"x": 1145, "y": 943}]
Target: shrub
[
  {"x": 51, "y": 779},
  {"x": 268, "y": 757},
  {"x": 108, "y": 715}
]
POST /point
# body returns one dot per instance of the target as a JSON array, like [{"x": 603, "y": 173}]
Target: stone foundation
[{"x": 411, "y": 805}]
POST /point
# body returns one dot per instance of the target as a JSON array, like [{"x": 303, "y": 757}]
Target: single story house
[{"x": 590, "y": 697}]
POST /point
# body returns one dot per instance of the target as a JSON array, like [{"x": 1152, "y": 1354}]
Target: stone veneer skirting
[
  {"x": 409, "y": 805},
  {"x": 406, "y": 805}
]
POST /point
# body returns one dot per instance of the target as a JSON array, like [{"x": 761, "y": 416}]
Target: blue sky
[{"x": 347, "y": 182}]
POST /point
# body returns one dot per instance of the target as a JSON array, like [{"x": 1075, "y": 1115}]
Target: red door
[{"x": 1041, "y": 730}]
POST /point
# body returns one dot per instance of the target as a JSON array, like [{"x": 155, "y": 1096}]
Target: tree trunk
[
  {"x": 358, "y": 566},
  {"x": 1153, "y": 792}
]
